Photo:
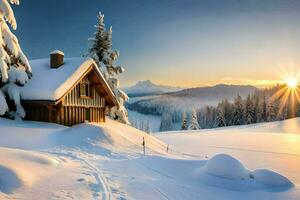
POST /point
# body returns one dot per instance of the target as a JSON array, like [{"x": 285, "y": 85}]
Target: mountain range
[{"x": 187, "y": 99}]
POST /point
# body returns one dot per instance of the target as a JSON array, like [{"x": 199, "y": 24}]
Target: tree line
[{"x": 264, "y": 105}]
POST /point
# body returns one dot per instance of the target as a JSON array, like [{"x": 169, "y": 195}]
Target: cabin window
[{"x": 85, "y": 89}]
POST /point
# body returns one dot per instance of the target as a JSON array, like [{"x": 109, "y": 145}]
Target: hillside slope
[
  {"x": 106, "y": 161},
  {"x": 49, "y": 161}
]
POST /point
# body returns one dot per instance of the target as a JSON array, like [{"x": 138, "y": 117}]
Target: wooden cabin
[{"x": 66, "y": 91}]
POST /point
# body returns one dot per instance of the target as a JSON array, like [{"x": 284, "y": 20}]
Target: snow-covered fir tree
[
  {"x": 284, "y": 113},
  {"x": 238, "y": 116},
  {"x": 100, "y": 45},
  {"x": 184, "y": 124},
  {"x": 226, "y": 107},
  {"x": 101, "y": 51},
  {"x": 249, "y": 111},
  {"x": 256, "y": 109},
  {"x": 194, "y": 121},
  {"x": 264, "y": 114},
  {"x": 271, "y": 112},
  {"x": 14, "y": 66},
  {"x": 209, "y": 117},
  {"x": 220, "y": 120}
]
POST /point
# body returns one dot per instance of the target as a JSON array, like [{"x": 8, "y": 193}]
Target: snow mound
[
  {"x": 81, "y": 135},
  {"x": 270, "y": 178},
  {"x": 8, "y": 180},
  {"x": 224, "y": 171},
  {"x": 19, "y": 167},
  {"x": 130, "y": 138},
  {"x": 225, "y": 166},
  {"x": 106, "y": 138}
]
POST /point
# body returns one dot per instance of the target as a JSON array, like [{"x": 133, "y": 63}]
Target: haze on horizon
[{"x": 180, "y": 43}]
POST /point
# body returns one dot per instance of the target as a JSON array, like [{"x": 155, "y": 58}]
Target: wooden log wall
[
  {"x": 72, "y": 110},
  {"x": 73, "y": 99},
  {"x": 70, "y": 115}
]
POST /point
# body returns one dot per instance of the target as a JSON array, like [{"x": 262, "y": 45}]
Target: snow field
[{"x": 105, "y": 161}]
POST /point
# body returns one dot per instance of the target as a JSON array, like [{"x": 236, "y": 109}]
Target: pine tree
[
  {"x": 271, "y": 112},
  {"x": 14, "y": 66},
  {"x": 226, "y": 106},
  {"x": 256, "y": 108},
  {"x": 238, "y": 117},
  {"x": 264, "y": 114},
  {"x": 194, "y": 121},
  {"x": 184, "y": 125},
  {"x": 101, "y": 45},
  {"x": 249, "y": 111},
  {"x": 220, "y": 120},
  {"x": 209, "y": 121},
  {"x": 101, "y": 51}
]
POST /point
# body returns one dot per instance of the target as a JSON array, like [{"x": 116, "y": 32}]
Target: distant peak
[
  {"x": 147, "y": 86},
  {"x": 146, "y": 82}
]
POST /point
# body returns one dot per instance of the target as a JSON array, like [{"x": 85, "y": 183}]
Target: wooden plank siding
[{"x": 73, "y": 109}]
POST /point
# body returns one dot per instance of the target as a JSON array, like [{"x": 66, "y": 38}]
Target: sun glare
[
  {"x": 288, "y": 93},
  {"x": 292, "y": 82}
]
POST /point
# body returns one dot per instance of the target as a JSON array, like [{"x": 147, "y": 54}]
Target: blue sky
[{"x": 185, "y": 43}]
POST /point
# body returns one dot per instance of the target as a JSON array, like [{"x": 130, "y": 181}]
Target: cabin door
[{"x": 87, "y": 114}]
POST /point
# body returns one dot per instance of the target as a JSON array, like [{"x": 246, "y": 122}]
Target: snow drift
[
  {"x": 110, "y": 136},
  {"x": 225, "y": 166},
  {"x": 18, "y": 167},
  {"x": 9, "y": 180},
  {"x": 270, "y": 178}
]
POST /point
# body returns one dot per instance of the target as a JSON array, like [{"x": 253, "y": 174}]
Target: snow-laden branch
[{"x": 15, "y": 69}]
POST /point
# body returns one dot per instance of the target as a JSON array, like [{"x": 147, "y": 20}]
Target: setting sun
[{"x": 292, "y": 82}]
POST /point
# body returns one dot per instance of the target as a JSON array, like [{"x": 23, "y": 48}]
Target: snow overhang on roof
[
  {"x": 48, "y": 84},
  {"x": 57, "y": 52}
]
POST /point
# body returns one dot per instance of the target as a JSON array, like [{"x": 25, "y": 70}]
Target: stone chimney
[{"x": 56, "y": 59}]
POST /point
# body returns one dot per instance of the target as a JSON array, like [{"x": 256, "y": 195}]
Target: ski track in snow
[
  {"x": 106, "y": 194},
  {"x": 160, "y": 192},
  {"x": 98, "y": 175},
  {"x": 155, "y": 171}
]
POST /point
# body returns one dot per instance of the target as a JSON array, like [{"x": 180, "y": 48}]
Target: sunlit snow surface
[
  {"x": 273, "y": 145},
  {"x": 105, "y": 161}
]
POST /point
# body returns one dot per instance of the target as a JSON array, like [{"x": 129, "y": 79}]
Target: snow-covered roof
[
  {"x": 51, "y": 84},
  {"x": 57, "y": 52}
]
